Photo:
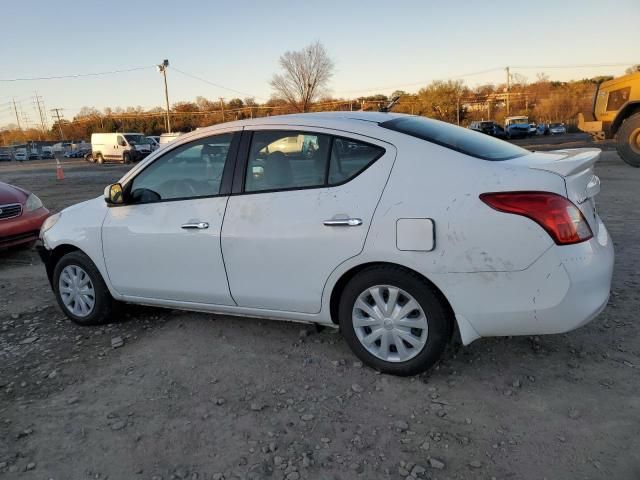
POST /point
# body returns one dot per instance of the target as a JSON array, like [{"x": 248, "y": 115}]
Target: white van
[{"x": 119, "y": 147}]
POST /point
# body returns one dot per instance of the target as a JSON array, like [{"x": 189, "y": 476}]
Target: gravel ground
[{"x": 163, "y": 394}]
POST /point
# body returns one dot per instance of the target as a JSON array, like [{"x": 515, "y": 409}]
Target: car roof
[{"x": 349, "y": 121}]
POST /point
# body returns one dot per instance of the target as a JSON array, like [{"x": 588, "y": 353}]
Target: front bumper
[
  {"x": 567, "y": 287},
  {"x": 22, "y": 229},
  {"x": 46, "y": 256}
]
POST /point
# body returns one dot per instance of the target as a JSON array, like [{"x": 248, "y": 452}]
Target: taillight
[{"x": 557, "y": 215}]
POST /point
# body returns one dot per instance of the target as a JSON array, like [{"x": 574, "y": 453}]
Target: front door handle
[
  {"x": 196, "y": 225},
  {"x": 343, "y": 222}
]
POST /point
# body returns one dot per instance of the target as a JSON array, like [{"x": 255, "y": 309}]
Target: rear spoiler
[{"x": 572, "y": 161}]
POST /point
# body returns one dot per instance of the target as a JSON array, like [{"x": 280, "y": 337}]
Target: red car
[{"x": 21, "y": 215}]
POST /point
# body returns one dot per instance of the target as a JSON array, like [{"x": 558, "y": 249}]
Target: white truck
[{"x": 118, "y": 147}]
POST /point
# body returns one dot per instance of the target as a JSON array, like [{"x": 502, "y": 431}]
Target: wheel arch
[
  {"x": 340, "y": 284},
  {"x": 54, "y": 256},
  {"x": 629, "y": 109}
]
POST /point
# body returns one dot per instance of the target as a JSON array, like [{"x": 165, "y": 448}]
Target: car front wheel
[
  {"x": 393, "y": 320},
  {"x": 81, "y": 291}
]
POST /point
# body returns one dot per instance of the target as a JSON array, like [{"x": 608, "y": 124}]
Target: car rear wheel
[
  {"x": 81, "y": 291},
  {"x": 628, "y": 140},
  {"x": 393, "y": 320},
  {"x": 99, "y": 159}
]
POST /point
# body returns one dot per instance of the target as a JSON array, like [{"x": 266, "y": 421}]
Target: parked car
[
  {"x": 21, "y": 155},
  {"x": 46, "y": 155},
  {"x": 154, "y": 141},
  {"x": 533, "y": 128},
  {"x": 499, "y": 132},
  {"x": 21, "y": 215},
  {"x": 34, "y": 155},
  {"x": 543, "y": 129},
  {"x": 424, "y": 229},
  {"x": 516, "y": 127},
  {"x": 485, "y": 126},
  {"x": 557, "y": 129},
  {"x": 169, "y": 137},
  {"x": 6, "y": 154}
]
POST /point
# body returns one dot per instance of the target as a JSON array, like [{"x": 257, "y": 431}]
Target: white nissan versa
[{"x": 397, "y": 228}]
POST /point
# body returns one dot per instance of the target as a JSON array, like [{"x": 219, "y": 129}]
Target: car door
[
  {"x": 164, "y": 242},
  {"x": 297, "y": 214}
]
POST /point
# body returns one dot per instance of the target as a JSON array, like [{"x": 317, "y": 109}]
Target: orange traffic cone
[{"x": 59, "y": 171}]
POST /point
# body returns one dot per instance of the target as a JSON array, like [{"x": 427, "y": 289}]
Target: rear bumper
[
  {"x": 22, "y": 229},
  {"x": 567, "y": 287}
]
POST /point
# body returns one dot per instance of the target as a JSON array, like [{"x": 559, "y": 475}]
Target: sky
[{"x": 377, "y": 46}]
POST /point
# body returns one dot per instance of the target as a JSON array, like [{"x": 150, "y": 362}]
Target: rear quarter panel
[{"x": 430, "y": 181}]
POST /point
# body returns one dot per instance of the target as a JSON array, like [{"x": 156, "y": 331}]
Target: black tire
[
  {"x": 99, "y": 158},
  {"x": 126, "y": 158},
  {"x": 439, "y": 323},
  {"x": 104, "y": 303},
  {"x": 89, "y": 158},
  {"x": 628, "y": 140}
]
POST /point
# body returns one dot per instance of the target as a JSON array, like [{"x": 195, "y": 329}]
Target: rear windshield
[{"x": 456, "y": 138}]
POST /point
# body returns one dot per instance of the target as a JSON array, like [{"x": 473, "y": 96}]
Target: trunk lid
[{"x": 576, "y": 167}]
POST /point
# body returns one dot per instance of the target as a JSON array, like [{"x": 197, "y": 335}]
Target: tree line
[{"x": 303, "y": 86}]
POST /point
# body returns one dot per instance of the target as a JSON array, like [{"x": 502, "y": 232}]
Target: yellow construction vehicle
[{"x": 616, "y": 114}]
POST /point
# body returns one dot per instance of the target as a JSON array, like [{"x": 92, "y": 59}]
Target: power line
[
  {"x": 586, "y": 65},
  {"x": 75, "y": 75},
  {"x": 215, "y": 84},
  {"x": 423, "y": 82}
]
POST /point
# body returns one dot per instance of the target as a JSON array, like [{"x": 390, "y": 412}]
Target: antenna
[{"x": 390, "y": 105}]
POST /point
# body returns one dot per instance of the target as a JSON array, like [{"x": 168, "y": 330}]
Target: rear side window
[
  {"x": 349, "y": 158},
  {"x": 456, "y": 138},
  {"x": 286, "y": 160}
]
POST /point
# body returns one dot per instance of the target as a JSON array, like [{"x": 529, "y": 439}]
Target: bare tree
[{"x": 305, "y": 75}]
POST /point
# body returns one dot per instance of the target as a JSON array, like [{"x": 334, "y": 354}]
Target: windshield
[
  {"x": 136, "y": 139},
  {"x": 456, "y": 138},
  {"x": 555, "y": 125}
]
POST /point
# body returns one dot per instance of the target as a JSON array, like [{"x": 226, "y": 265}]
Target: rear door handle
[
  {"x": 196, "y": 225},
  {"x": 343, "y": 222}
]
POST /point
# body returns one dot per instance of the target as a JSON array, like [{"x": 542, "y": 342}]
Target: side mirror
[{"x": 113, "y": 194}]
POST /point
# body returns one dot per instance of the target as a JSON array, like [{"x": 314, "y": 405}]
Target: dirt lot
[{"x": 194, "y": 396}]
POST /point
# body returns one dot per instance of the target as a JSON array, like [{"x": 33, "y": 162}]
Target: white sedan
[{"x": 399, "y": 229}]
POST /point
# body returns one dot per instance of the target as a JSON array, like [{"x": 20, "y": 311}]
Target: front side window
[
  {"x": 280, "y": 160},
  {"x": 190, "y": 171},
  {"x": 456, "y": 138}
]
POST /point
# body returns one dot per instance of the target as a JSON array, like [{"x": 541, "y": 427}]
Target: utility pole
[
  {"x": 57, "y": 114},
  {"x": 15, "y": 109},
  {"x": 162, "y": 68},
  {"x": 222, "y": 107},
  {"x": 508, "y": 90},
  {"x": 41, "y": 112}
]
